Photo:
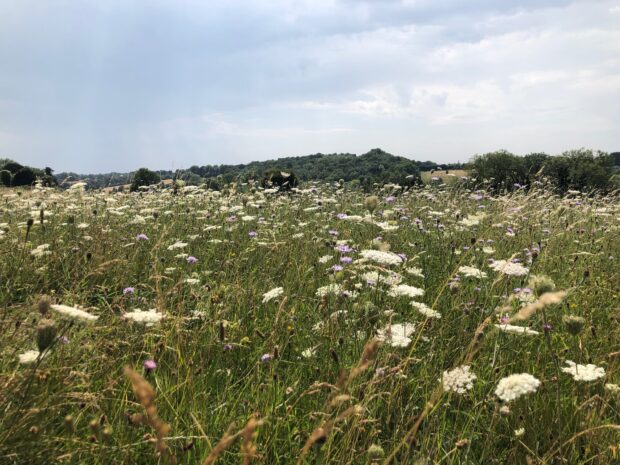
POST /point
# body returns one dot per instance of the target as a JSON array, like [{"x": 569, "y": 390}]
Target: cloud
[{"x": 155, "y": 83}]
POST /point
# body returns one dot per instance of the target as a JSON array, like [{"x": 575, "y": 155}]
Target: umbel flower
[
  {"x": 459, "y": 380},
  {"x": 272, "y": 294},
  {"x": 587, "y": 372},
  {"x": 514, "y": 386}
]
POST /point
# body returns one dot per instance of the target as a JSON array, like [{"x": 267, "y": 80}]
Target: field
[
  {"x": 445, "y": 176},
  {"x": 433, "y": 326}
]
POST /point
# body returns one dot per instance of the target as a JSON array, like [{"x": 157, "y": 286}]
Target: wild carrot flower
[
  {"x": 587, "y": 372},
  {"x": 514, "y": 386},
  {"x": 74, "y": 313},
  {"x": 272, "y": 294},
  {"x": 459, "y": 380}
]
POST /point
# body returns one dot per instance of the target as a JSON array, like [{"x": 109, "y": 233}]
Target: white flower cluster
[
  {"x": 272, "y": 294},
  {"x": 404, "y": 290},
  {"x": 145, "y": 317},
  {"x": 425, "y": 310},
  {"x": 74, "y": 313},
  {"x": 383, "y": 258},
  {"x": 506, "y": 328},
  {"x": 459, "y": 380},
  {"x": 514, "y": 386},
  {"x": 29, "y": 357},
  {"x": 396, "y": 335},
  {"x": 472, "y": 272},
  {"x": 587, "y": 372},
  {"x": 509, "y": 268}
]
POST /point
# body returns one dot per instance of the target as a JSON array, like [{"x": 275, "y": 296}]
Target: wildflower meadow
[{"x": 430, "y": 325}]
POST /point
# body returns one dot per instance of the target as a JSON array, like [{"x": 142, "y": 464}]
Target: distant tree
[
  {"x": 144, "y": 177},
  {"x": 502, "y": 170},
  {"x": 5, "y": 178},
  {"x": 616, "y": 157},
  {"x": 12, "y": 166},
  {"x": 24, "y": 177},
  {"x": 285, "y": 180}
]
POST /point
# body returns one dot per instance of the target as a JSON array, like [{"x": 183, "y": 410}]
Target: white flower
[
  {"x": 74, "y": 313},
  {"x": 509, "y": 268},
  {"x": 459, "y": 380},
  {"x": 472, "y": 272},
  {"x": 404, "y": 290},
  {"x": 613, "y": 388},
  {"x": 383, "y": 258},
  {"x": 29, "y": 357},
  {"x": 587, "y": 372},
  {"x": 514, "y": 386},
  {"x": 148, "y": 317},
  {"x": 519, "y": 432},
  {"x": 177, "y": 245},
  {"x": 506, "y": 328},
  {"x": 272, "y": 294},
  {"x": 396, "y": 335},
  {"x": 192, "y": 281},
  {"x": 41, "y": 250},
  {"x": 425, "y": 310},
  {"x": 325, "y": 258},
  {"x": 329, "y": 289},
  {"x": 415, "y": 271}
]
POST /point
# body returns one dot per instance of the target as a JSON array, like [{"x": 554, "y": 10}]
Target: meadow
[{"x": 437, "y": 325}]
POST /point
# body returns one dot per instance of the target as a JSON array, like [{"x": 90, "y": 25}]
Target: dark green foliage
[
  {"x": 285, "y": 180},
  {"x": 577, "y": 169},
  {"x": 144, "y": 177},
  {"x": 24, "y": 177},
  {"x": 5, "y": 178},
  {"x": 12, "y": 166},
  {"x": 616, "y": 158}
]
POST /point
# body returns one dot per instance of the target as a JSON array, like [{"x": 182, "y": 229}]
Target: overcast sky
[{"x": 94, "y": 86}]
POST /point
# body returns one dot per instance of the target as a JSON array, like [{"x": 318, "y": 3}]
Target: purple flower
[
  {"x": 252, "y": 234},
  {"x": 142, "y": 237},
  {"x": 266, "y": 358},
  {"x": 346, "y": 259},
  {"x": 342, "y": 216},
  {"x": 390, "y": 199},
  {"x": 228, "y": 347},
  {"x": 336, "y": 268},
  {"x": 547, "y": 328},
  {"x": 129, "y": 290},
  {"x": 344, "y": 248},
  {"x": 504, "y": 320},
  {"x": 64, "y": 339},
  {"x": 149, "y": 365},
  {"x": 192, "y": 260}
]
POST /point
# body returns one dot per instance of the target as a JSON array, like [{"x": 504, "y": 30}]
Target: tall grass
[{"x": 302, "y": 378}]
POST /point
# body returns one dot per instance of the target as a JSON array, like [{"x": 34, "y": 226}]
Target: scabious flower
[
  {"x": 149, "y": 365},
  {"x": 252, "y": 234},
  {"x": 459, "y": 380},
  {"x": 587, "y": 372},
  {"x": 272, "y": 294},
  {"x": 346, "y": 259},
  {"x": 192, "y": 260},
  {"x": 74, "y": 313},
  {"x": 396, "y": 335},
  {"x": 266, "y": 358},
  {"x": 129, "y": 290},
  {"x": 142, "y": 237},
  {"x": 514, "y": 386}
]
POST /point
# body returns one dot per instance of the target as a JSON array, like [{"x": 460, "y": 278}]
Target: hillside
[{"x": 376, "y": 166}]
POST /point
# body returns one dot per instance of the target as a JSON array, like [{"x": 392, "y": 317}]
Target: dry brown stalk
[
  {"x": 248, "y": 432},
  {"x": 548, "y": 298},
  {"x": 146, "y": 396}
]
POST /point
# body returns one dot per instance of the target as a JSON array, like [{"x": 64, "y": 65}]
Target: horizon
[{"x": 167, "y": 86}]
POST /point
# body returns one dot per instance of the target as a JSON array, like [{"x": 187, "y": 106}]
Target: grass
[
  {"x": 446, "y": 176},
  {"x": 302, "y": 378}
]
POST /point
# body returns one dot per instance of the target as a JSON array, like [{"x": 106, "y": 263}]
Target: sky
[{"x": 97, "y": 86}]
